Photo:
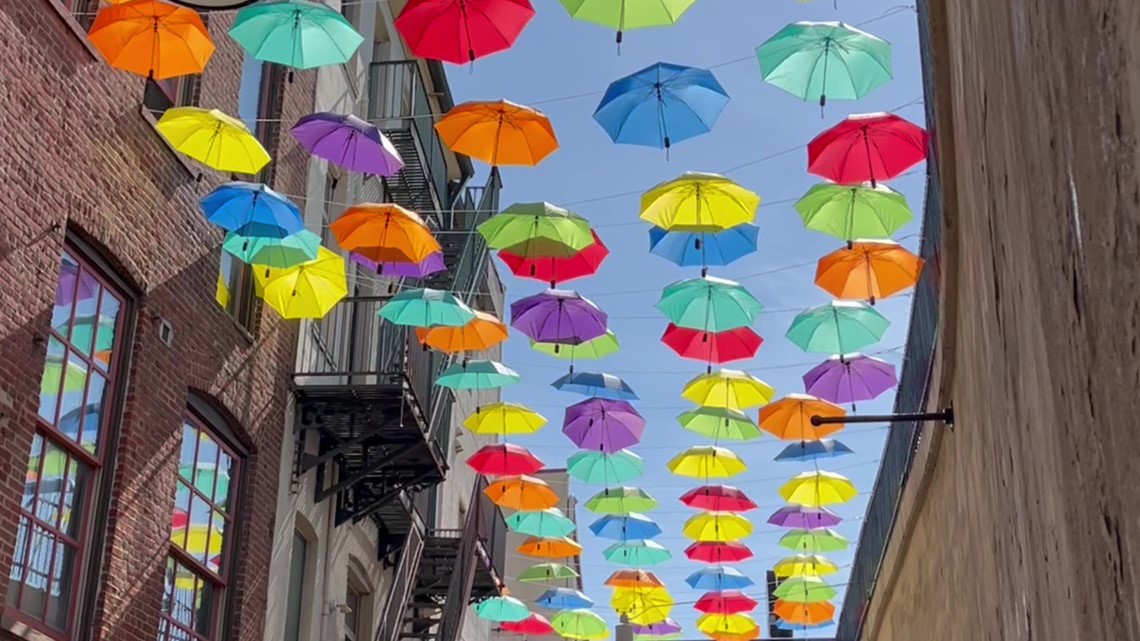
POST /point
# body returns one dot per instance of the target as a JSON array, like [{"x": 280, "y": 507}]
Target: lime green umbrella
[
  {"x": 593, "y": 349},
  {"x": 476, "y": 375},
  {"x": 548, "y": 523},
  {"x": 720, "y": 423},
  {"x": 621, "y": 501},
  {"x": 708, "y": 303},
  {"x": 580, "y": 625},
  {"x": 74, "y": 376},
  {"x": 296, "y": 33},
  {"x": 637, "y": 553},
  {"x": 601, "y": 468},
  {"x": 818, "y": 60},
  {"x": 849, "y": 212},
  {"x": 805, "y": 589},
  {"x": 426, "y": 308},
  {"x": 823, "y": 540},
  {"x": 542, "y": 572},
  {"x": 502, "y": 609},
  {"x": 533, "y": 230},
  {"x": 628, "y": 14},
  {"x": 281, "y": 253},
  {"x": 839, "y": 327}
]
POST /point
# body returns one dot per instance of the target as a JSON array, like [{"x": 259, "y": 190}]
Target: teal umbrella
[
  {"x": 502, "y": 609},
  {"x": 476, "y": 375},
  {"x": 426, "y": 308},
  {"x": 818, "y": 60},
  {"x": 848, "y": 212},
  {"x": 600, "y": 468},
  {"x": 296, "y": 33},
  {"x": 709, "y": 304},
  {"x": 637, "y": 553},
  {"x": 281, "y": 253},
  {"x": 548, "y": 523},
  {"x": 839, "y": 327}
]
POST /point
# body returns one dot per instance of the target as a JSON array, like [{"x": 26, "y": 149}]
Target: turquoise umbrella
[
  {"x": 281, "y": 253},
  {"x": 296, "y": 33},
  {"x": 599, "y": 468},
  {"x": 502, "y": 609},
  {"x": 637, "y": 553},
  {"x": 426, "y": 308},
  {"x": 709, "y": 304},
  {"x": 840, "y": 327},
  {"x": 548, "y": 523},
  {"x": 477, "y": 375}
]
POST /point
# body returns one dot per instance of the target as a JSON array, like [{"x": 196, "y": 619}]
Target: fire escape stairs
[{"x": 411, "y": 188}]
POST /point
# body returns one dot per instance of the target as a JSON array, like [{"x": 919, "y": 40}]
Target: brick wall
[{"x": 75, "y": 152}]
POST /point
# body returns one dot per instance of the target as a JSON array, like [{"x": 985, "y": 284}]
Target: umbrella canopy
[
  {"x": 504, "y": 419},
  {"x": 812, "y": 541},
  {"x": 839, "y": 327},
  {"x": 481, "y": 333},
  {"x": 603, "y": 425},
  {"x": 598, "y": 385},
  {"x": 502, "y": 608},
  {"x": 580, "y": 625},
  {"x": 384, "y": 233},
  {"x": 869, "y": 270},
  {"x": 816, "y": 489},
  {"x": 477, "y": 375},
  {"x": 629, "y": 527},
  {"x": 504, "y": 459},
  {"x": 498, "y": 133},
  {"x": 548, "y": 523},
  {"x": 789, "y": 418},
  {"x": 726, "y": 602},
  {"x": 804, "y": 565},
  {"x": 634, "y": 579},
  {"x": 433, "y": 264},
  {"x": 717, "y": 527},
  {"x": 784, "y": 625},
  {"x": 720, "y": 423},
  {"x": 347, "y": 141},
  {"x": 707, "y": 461},
  {"x": 602, "y": 468},
  {"x": 660, "y": 105},
  {"x": 804, "y": 518},
  {"x": 637, "y": 553},
  {"x": 643, "y": 605},
  {"x": 424, "y": 307},
  {"x": 718, "y": 579},
  {"x": 821, "y": 60},
  {"x": 522, "y": 493},
  {"x": 558, "y": 316},
  {"x": 867, "y": 148},
  {"x": 850, "y": 212},
  {"x": 535, "y": 625},
  {"x": 628, "y": 14},
  {"x": 296, "y": 33},
  {"x": 709, "y": 304},
  {"x": 802, "y": 614},
  {"x": 698, "y": 247},
  {"x": 621, "y": 501},
  {"x": 716, "y": 553},
  {"x": 707, "y": 201},
  {"x": 813, "y": 450},
  {"x": 556, "y": 266},
  {"x": 850, "y": 378},
  {"x": 727, "y": 624},
  {"x": 460, "y": 32},
  {"x": 657, "y": 630},
  {"x": 213, "y": 139},
  {"x": 564, "y": 599},
  {"x": 542, "y": 572},
  {"x": 718, "y": 498},
  {"x": 535, "y": 230},
  {"x": 282, "y": 253},
  {"x": 307, "y": 290},
  {"x": 805, "y": 589},
  {"x": 605, "y": 345},
  {"x": 550, "y": 548},
  {"x": 252, "y": 210},
  {"x": 728, "y": 388},
  {"x": 712, "y": 347},
  {"x": 152, "y": 39}
]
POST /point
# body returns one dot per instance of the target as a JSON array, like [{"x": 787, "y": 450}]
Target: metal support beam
[
  {"x": 387, "y": 498},
  {"x": 945, "y": 416},
  {"x": 353, "y": 479}
]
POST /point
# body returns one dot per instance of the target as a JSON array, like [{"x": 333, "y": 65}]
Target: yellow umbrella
[
  {"x": 805, "y": 565},
  {"x": 717, "y": 527},
  {"x": 727, "y": 624},
  {"x": 728, "y": 388},
  {"x": 642, "y": 601},
  {"x": 649, "y": 614},
  {"x": 706, "y": 462},
  {"x": 308, "y": 290},
  {"x": 816, "y": 489},
  {"x": 214, "y": 139},
  {"x": 505, "y": 419},
  {"x": 706, "y": 201}
]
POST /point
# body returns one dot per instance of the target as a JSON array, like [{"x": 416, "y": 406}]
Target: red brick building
[{"x": 141, "y": 421}]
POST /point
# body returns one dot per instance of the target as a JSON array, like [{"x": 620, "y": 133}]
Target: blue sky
[{"x": 558, "y": 57}]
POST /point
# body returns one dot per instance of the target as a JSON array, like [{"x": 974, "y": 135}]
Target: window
[
  {"x": 354, "y": 617},
  {"x": 201, "y": 533},
  {"x": 296, "y": 599},
  {"x": 78, "y": 391},
  {"x": 160, "y": 95},
  {"x": 350, "y": 9},
  {"x": 82, "y": 10}
]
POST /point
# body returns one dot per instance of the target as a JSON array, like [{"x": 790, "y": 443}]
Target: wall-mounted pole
[{"x": 946, "y": 416}]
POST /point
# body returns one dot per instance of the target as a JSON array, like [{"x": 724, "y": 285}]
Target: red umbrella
[
  {"x": 713, "y": 553},
  {"x": 718, "y": 498},
  {"x": 712, "y": 347},
  {"x": 727, "y": 602},
  {"x": 558, "y": 269},
  {"x": 504, "y": 460},
  {"x": 460, "y": 32},
  {"x": 867, "y": 147},
  {"x": 535, "y": 625}
]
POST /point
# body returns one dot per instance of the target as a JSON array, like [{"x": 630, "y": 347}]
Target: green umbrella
[
  {"x": 204, "y": 480},
  {"x": 476, "y": 375},
  {"x": 537, "y": 229},
  {"x": 426, "y": 308},
  {"x": 839, "y": 327},
  {"x": 805, "y": 589},
  {"x": 621, "y": 501},
  {"x": 818, "y": 60},
  {"x": 296, "y": 33},
  {"x": 84, "y": 326},
  {"x": 720, "y": 423},
  {"x": 628, "y": 14},
  {"x": 593, "y": 349},
  {"x": 580, "y": 625},
  {"x": 548, "y": 523},
  {"x": 74, "y": 380},
  {"x": 281, "y": 253},
  {"x": 600, "y": 468},
  {"x": 709, "y": 303},
  {"x": 502, "y": 609},
  {"x": 824, "y": 540},
  {"x": 542, "y": 572},
  {"x": 637, "y": 553},
  {"x": 848, "y": 212}
]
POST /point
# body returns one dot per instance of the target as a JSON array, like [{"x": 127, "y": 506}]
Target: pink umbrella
[{"x": 850, "y": 378}]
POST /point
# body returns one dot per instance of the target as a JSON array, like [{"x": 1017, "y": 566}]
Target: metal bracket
[{"x": 946, "y": 416}]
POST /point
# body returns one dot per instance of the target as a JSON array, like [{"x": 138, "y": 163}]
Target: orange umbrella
[
  {"x": 498, "y": 133},
  {"x": 789, "y": 418},
  {"x": 804, "y": 613},
  {"x": 483, "y": 332},
  {"x": 868, "y": 269},
  {"x": 522, "y": 493},
  {"x": 634, "y": 579},
  {"x": 152, "y": 39},
  {"x": 728, "y": 636},
  {"x": 550, "y": 548},
  {"x": 384, "y": 234}
]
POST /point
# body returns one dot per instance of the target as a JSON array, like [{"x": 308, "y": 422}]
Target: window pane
[
  {"x": 32, "y": 476},
  {"x": 51, "y": 380},
  {"x": 295, "y": 599},
  {"x": 74, "y": 386},
  {"x": 60, "y": 595},
  {"x": 249, "y": 91},
  {"x": 38, "y": 570},
  {"x": 65, "y": 295},
  {"x": 19, "y": 560},
  {"x": 188, "y": 604},
  {"x": 108, "y": 324},
  {"x": 86, "y": 321}
]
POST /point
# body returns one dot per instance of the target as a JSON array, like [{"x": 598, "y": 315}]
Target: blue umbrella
[
  {"x": 632, "y": 527},
  {"x": 252, "y": 209},
  {"x": 813, "y": 450},
  {"x": 660, "y": 105},
  {"x": 718, "y": 579},
  {"x": 594, "y": 384},
  {"x": 564, "y": 599},
  {"x": 692, "y": 248},
  {"x": 784, "y": 625}
]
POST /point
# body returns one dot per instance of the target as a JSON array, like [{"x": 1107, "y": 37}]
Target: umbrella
[
  {"x": 477, "y": 375},
  {"x": 838, "y": 327},
  {"x": 709, "y": 304},
  {"x": 784, "y": 625},
  {"x": 804, "y": 518},
  {"x": 867, "y": 148},
  {"x": 804, "y": 565},
  {"x": 813, "y": 450},
  {"x": 717, "y": 579},
  {"x": 727, "y": 623},
  {"x": 627, "y": 14},
  {"x": 423, "y": 307},
  {"x": 720, "y": 423},
  {"x": 152, "y": 39},
  {"x": 660, "y": 105},
  {"x": 459, "y": 32},
  {"x": 804, "y": 614},
  {"x": 632, "y": 526},
  {"x": 580, "y": 625},
  {"x": 504, "y": 419},
  {"x": 817, "y": 60},
  {"x": 851, "y": 378},
  {"x": 822, "y": 540},
  {"x": 550, "y": 522},
  {"x": 537, "y": 230},
  {"x": 593, "y": 349},
  {"x": 558, "y": 316},
  {"x": 433, "y": 264},
  {"x": 634, "y": 579},
  {"x": 717, "y": 527},
  {"x": 282, "y": 253},
  {"x": 535, "y": 625},
  {"x": 637, "y": 553},
  {"x": 498, "y": 133},
  {"x": 603, "y": 425},
  {"x": 252, "y": 210},
  {"x": 869, "y": 269},
  {"x": 621, "y": 500},
  {"x": 643, "y": 606},
  {"x": 850, "y": 212},
  {"x": 384, "y": 233},
  {"x": 707, "y": 201},
  {"x": 502, "y": 608},
  {"x": 542, "y": 572},
  {"x": 716, "y": 553},
  {"x": 726, "y": 602},
  {"x": 296, "y": 33},
  {"x": 707, "y": 461},
  {"x": 789, "y": 418},
  {"x": 697, "y": 247},
  {"x": 550, "y": 548},
  {"x": 602, "y": 468},
  {"x": 213, "y": 139},
  {"x": 502, "y": 459},
  {"x": 728, "y": 388},
  {"x": 661, "y": 629},
  {"x": 307, "y": 290},
  {"x": 481, "y": 333},
  {"x": 564, "y": 599},
  {"x": 598, "y": 385},
  {"x": 556, "y": 266},
  {"x": 712, "y": 347},
  {"x": 816, "y": 489},
  {"x": 349, "y": 142},
  {"x": 521, "y": 493},
  {"x": 718, "y": 498},
  {"x": 805, "y": 589}
]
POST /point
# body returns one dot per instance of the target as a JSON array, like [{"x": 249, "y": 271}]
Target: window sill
[
  {"x": 11, "y": 625},
  {"x": 76, "y": 28},
  {"x": 190, "y": 167}
]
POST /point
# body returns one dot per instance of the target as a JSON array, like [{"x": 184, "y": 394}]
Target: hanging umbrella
[
  {"x": 867, "y": 148},
  {"x": 798, "y": 627},
  {"x": 821, "y": 60},
  {"x": 296, "y": 33},
  {"x": 498, "y": 133},
  {"x": 804, "y": 518},
  {"x": 504, "y": 419},
  {"x": 564, "y": 599},
  {"x": 658, "y": 630},
  {"x": 717, "y": 553},
  {"x": 535, "y": 625},
  {"x": 718, "y": 498},
  {"x": 598, "y": 385},
  {"x": 712, "y": 347},
  {"x": 521, "y": 493},
  {"x": 726, "y": 602},
  {"x": 282, "y": 253},
  {"x": 632, "y": 526},
  {"x": 620, "y": 501},
  {"x": 580, "y": 625},
  {"x": 707, "y": 461},
  {"x": 558, "y": 316},
  {"x": 152, "y": 39},
  {"x": 348, "y": 141},
  {"x": 660, "y": 105},
  {"x": 812, "y": 541},
  {"x": 503, "y": 459},
  {"x": 502, "y": 608},
  {"x": 813, "y": 450},
  {"x": 817, "y": 489},
  {"x": 634, "y": 579},
  {"x": 461, "y": 32},
  {"x": 643, "y": 606},
  {"x": 838, "y": 327},
  {"x": 805, "y": 589},
  {"x": 593, "y": 349},
  {"x": 720, "y": 423},
  {"x": 477, "y": 375},
  {"x": 213, "y": 139},
  {"x": 851, "y": 378},
  {"x": 804, "y": 614},
  {"x": 603, "y": 425},
  {"x": 307, "y": 290},
  {"x": 697, "y": 247},
  {"x": 423, "y": 307},
  {"x": 601, "y": 468},
  {"x": 433, "y": 264},
  {"x": 481, "y": 333},
  {"x": 637, "y": 553},
  {"x": 728, "y": 388},
  {"x": 850, "y": 212},
  {"x": 550, "y": 522},
  {"x": 384, "y": 233},
  {"x": 709, "y": 304},
  {"x": 535, "y": 230},
  {"x": 804, "y": 565},
  {"x": 628, "y": 14},
  {"x": 789, "y": 418},
  {"x": 550, "y": 548},
  {"x": 870, "y": 270},
  {"x": 557, "y": 266},
  {"x": 727, "y": 623},
  {"x": 707, "y": 201},
  {"x": 543, "y": 572},
  {"x": 252, "y": 210},
  {"x": 717, "y": 527},
  {"x": 718, "y": 579}
]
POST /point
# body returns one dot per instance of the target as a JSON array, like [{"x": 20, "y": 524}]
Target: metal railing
[
  {"x": 403, "y": 586},
  {"x": 491, "y": 530}
]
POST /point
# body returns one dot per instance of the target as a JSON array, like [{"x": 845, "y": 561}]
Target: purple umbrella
[
  {"x": 65, "y": 291},
  {"x": 660, "y": 629},
  {"x": 349, "y": 142},
  {"x": 558, "y": 316},
  {"x": 603, "y": 425},
  {"x": 804, "y": 518},
  {"x": 426, "y": 267},
  {"x": 850, "y": 378}
]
